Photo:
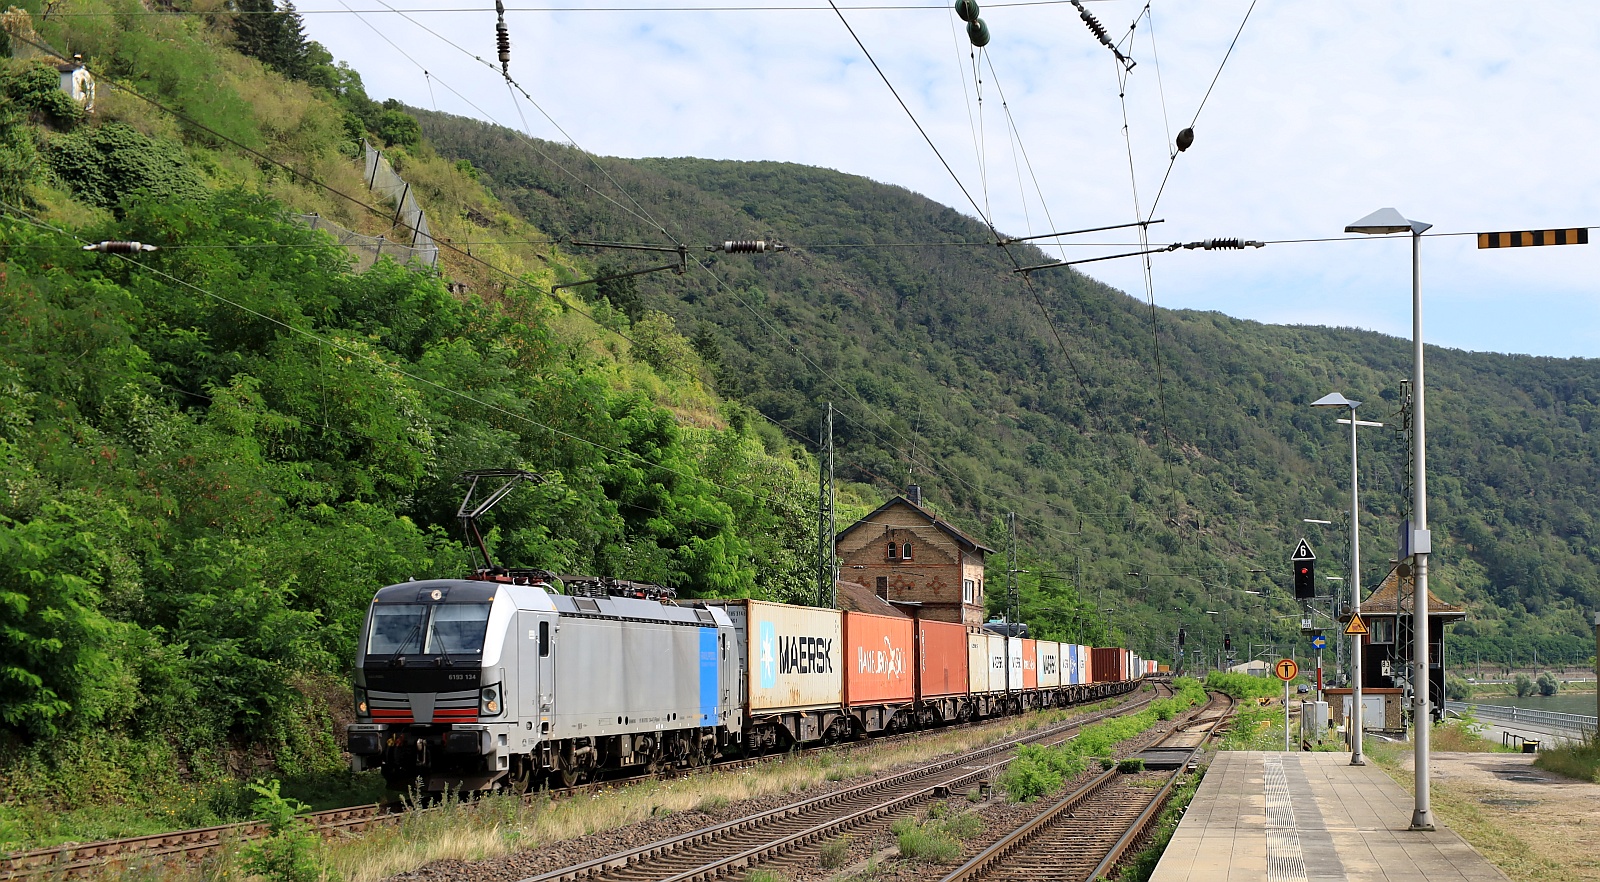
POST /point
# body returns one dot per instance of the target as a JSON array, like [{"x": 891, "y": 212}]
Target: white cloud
[{"x": 1454, "y": 113}]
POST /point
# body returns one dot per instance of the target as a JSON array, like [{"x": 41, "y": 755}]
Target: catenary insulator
[
  {"x": 978, "y": 33},
  {"x": 1185, "y": 139},
  {"x": 967, "y": 10},
  {"x": 119, "y": 247},
  {"x": 502, "y": 38},
  {"x": 1094, "y": 24},
  {"x": 748, "y": 246},
  {"x": 1228, "y": 244}
]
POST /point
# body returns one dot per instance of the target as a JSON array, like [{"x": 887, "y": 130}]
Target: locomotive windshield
[{"x": 427, "y": 629}]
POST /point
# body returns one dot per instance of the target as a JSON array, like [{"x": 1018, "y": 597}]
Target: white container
[
  {"x": 793, "y": 655},
  {"x": 1014, "y": 675},
  {"x": 1048, "y": 659},
  {"x": 996, "y": 662},
  {"x": 978, "y": 661}
]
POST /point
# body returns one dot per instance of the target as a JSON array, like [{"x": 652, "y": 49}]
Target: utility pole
[
  {"x": 827, "y": 561},
  {"x": 1013, "y": 590}
]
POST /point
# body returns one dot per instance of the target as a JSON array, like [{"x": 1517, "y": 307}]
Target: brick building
[{"x": 903, "y": 552}]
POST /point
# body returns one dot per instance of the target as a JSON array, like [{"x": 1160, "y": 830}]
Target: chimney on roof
[{"x": 914, "y": 493}]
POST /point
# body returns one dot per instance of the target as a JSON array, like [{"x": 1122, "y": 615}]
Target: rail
[
  {"x": 1081, "y": 803},
  {"x": 1532, "y": 717}
]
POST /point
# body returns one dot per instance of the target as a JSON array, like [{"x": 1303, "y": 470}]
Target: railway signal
[{"x": 1305, "y": 571}]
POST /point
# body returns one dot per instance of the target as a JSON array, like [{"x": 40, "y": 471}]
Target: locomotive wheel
[
  {"x": 521, "y": 778},
  {"x": 563, "y": 778}
]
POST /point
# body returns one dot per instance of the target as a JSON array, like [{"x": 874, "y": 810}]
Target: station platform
[{"x": 1309, "y": 817}]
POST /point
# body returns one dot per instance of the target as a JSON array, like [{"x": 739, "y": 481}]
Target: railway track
[
  {"x": 731, "y": 847},
  {"x": 68, "y": 861},
  {"x": 1084, "y": 835}
]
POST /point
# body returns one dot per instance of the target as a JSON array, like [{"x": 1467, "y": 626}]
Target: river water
[{"x": 1564, "y": 703}]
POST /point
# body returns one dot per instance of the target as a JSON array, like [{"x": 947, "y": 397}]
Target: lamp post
[
  {"x": 1356, "y": 723},
  {"x": 1382, "y": 222}
]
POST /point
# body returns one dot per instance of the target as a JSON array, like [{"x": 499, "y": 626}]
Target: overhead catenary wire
[
  {"x": 457, "y": 10},
  {"x": 1202, "y": 106},
  {"x": 642, "y": 214}
]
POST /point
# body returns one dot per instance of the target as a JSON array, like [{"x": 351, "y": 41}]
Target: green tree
[{"x": 272, "y": 35}]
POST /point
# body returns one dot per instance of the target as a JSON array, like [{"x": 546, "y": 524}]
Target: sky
[{"x": 1472, "y": 116}]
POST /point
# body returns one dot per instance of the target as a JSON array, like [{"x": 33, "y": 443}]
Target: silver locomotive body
[{"x": 476, "y": 683}]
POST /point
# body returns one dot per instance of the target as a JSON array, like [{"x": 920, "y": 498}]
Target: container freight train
[{"x": 500, "y": 681}]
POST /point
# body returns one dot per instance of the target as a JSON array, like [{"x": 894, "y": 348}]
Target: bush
[
  {"x": 1524, "y": 685},
  {"x": 1457, "y": 689},
  {"x": 1131, "y": 766},
  {"x": 292, "y": 851},
  {"x": 1548, "y": 685},
  {"x": 1241, "y": 687},
  {"x": 105, "y": 165}
]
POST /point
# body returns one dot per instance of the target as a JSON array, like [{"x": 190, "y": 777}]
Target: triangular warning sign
[
  {"x": 1356, "y": 626},
  {"x": 1303, "y": 552}
]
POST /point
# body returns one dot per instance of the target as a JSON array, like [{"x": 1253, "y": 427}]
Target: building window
[
  {"x": 894, "y": 550},
  {"x": 967, "y": 586},
  {"x": 883, "y": 587},
  {"x": 907, "y": 551},
  {"x": 1382, "y": 630}
]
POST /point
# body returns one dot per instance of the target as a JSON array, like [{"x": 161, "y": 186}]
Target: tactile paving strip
[{"x": 1285, "y": 861}]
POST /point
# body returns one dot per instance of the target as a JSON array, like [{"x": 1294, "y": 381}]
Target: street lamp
[
  {"x": 1334, "y": 399},
  {"x": 1419, "y": 542}
]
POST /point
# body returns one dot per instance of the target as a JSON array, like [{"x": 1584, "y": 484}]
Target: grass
[
  {"x": 1255, "y": 728},
  {"x": 834, "y": 853},
  {"x": 1039, "y": 771},
  {"x": 1577, "y": 759},
  {"x": 935, "y": 838}
]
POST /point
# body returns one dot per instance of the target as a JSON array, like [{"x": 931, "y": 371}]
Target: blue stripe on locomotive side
[{"x": 709, "y": 671}]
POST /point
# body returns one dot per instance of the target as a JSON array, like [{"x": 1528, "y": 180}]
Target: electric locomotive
[{"x": 499, "y": 681}]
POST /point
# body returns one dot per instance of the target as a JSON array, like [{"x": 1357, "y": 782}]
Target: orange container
[
  {"x": 1030, "y": 664},
  {"x": 877, "y": 659},
  {"x": 941, "y": 659}
]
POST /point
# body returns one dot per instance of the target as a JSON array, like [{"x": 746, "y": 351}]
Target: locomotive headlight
[
  {"x": 361, "y": 703},
  {"x": 489, "y": 701}
]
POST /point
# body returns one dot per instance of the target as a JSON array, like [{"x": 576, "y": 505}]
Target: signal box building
[
  {"x": 1387, "y": 648},
  {"x": 905, "y": 553}
]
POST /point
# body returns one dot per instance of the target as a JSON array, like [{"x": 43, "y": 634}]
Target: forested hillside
[
  {"x": 215, "y": 452},
  {"x": 1198, "y": 456}
]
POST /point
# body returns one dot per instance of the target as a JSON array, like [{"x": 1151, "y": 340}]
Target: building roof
[
  {"x": 962, "y": 539},
  {"x": 1383, "y": 601},
  {"x": 855, "y": 597}
]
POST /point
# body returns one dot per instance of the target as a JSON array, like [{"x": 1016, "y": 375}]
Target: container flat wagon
[
  {"x": 879, "y": 683},
  {"x": 790, "y": 679},
  {"x": 943, "y": 686}
]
